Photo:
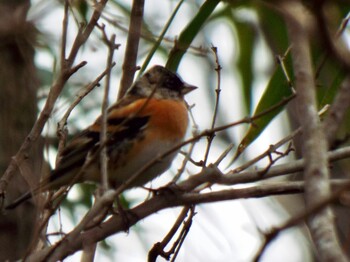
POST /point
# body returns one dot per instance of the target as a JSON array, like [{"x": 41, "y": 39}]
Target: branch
[
  {"x": 335, "y": 45},
  {"x": 84, "y": 236},
  {"x": 61, "y": 134},
  {"x": 337, "y": 111},
  {"x": 213, "y": 174},
  {"x": 158, "y": 248},
  {"x": 316, "y": 171},
  {"x": 205, "y": 133},
  {"x": 79, "y": 237},
  {"x": 66, "y": 71},
  {"x": 112, "y": 46},
  {"x": 217, "y": 100},
  {"x": 132, "y": 46},
  {"x": 340, "y": 187}
]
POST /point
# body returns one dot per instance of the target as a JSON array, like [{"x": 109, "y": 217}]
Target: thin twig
[
  {"x": 191, "y": 147},
  {"x": 66, "y": 70},
  {"x": 205, "y": 133},
  {"x": 187, "y": 157},
  {"x": 100, "y": 207},
  {"x": 74, "y": 241},
  {"x": 334, "y": 44},
  {"x": 117, "y": 224},
  {"x": 64, "y": 33},
  {"x": 61, "y": 133},
  {"x": 341, "y": 187},
  {"x": 270, "y": 150},
  {"x": 158, "y": 248},
  {"x": 224, "y": 154},
  {"x": 159, "y": 38},
  {"x": 148, "y": 36},
  {"x": 185, "y": 229},
  {"x": 103, "y": 135},
  {"x": 84, "y": 34},
  {"x": 217, "y": 91},
  {"x": 280, "y": 60}
]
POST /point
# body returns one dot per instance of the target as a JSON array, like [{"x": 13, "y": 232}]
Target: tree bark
[{"x": 18, "y": 109}]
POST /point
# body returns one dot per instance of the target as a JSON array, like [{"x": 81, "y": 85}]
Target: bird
[{"x": 151, "y": 119}]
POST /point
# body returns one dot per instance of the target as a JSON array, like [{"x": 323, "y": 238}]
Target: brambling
[{"x": 149, "y": 120}]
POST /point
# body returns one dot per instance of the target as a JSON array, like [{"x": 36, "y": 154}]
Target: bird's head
[{"x": 160, "y": 83}]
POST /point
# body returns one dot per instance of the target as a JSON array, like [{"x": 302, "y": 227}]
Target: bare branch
[
  {"x": 158, "y": 248},
  {"x": 61, "y": 133},
  {"x": 217, "y": 91},
  {"x": 205, "y": 133},
  {"x": 116, "y": 224},
  {"x": 132, "y": 46},
  {"x": 65, "y": 72},
  {"x": 103, "y": 135},
  {"x": 214, "y": 175},
  {"x": 75, "y": 240},
  {"x": 316, "y": 172},
  {"x": 81, "y": 235},
  {"x": 337, "y": 111},
  {"x": 335, "y": 45},
  {"x": 271, "y": 149}
]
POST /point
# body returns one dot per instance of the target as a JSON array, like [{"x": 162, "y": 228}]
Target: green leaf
[
  {"x": 189, "y": 33},
  {"x": 273, "y": 28},
  {"x": 277, "y": 90},
  {"x": 275, "y": 34},
  {"x": 328, "y": 84},
  {"x": 82, "y": 7},
  {"x": 246, "y": 40},
  {"x": 159, "y": 40}
]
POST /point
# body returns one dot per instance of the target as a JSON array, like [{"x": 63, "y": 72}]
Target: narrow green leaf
[
  {"x": 275, "y": 34},
  {"x": 277, "y": 90},
  {"x": 273, "y": 28},
  {"x": 246, "y": 40},
  {"x": 83, "y": 8},
  {"x": 159, "y": 40},
  {"x": 327, "y": 91},
  {"x": 189, "y": 33}
]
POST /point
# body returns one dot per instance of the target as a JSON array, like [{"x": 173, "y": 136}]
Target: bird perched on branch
[{"x": 148, "y": 121}]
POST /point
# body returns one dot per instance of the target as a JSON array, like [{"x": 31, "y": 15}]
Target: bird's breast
[
  {"x": 166, "y": 128},
  {"x": 169, "y": 119}
]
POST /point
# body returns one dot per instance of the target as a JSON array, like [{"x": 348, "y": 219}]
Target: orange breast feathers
[{"x": 168, "y": 118}]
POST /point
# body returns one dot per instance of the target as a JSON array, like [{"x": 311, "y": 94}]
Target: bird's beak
[{"x": 186, "y": 88}]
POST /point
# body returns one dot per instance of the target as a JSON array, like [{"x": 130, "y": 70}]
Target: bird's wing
[{"x": 123, "y": 125}]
